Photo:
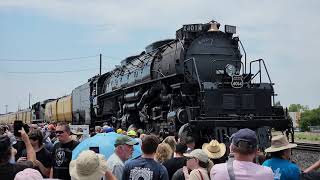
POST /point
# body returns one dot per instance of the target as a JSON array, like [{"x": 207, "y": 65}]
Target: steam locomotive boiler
[{"x": 195, "y": 84}]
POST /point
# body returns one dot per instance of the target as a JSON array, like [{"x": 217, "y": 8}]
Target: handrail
[
  {"x": 195, "y": 66},
  {"x": 265, "y": 67},
  {"x": 245, "y": 57}
]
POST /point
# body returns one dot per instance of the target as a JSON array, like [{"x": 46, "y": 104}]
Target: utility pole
[
  {"x": 6, "y": 108},
  {"x": 29, "y": 99},
  {"x": 100, "y": 63}
]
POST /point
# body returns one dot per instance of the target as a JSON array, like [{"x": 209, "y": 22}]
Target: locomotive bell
[{"x": 214, "y": 26}]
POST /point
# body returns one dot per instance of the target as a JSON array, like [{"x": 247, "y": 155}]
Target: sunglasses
[
  {"x": 59, "y": 132},
  {"x": 33, "y": 138}
]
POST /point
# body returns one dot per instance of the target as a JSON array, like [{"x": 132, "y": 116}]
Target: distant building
[
  {"x": 315, "y": 129},
  {"x": 296, "y": 117}
]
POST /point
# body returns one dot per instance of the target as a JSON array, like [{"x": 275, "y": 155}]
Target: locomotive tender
[{"x": 195, "y": 84}]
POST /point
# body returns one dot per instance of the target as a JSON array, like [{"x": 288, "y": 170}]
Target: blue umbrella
[{"x": 104, "y": 143}]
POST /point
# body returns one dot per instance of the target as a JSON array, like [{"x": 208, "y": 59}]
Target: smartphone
[
  {"x": 17, "y": 125},
  {"x": 26, "y": 128},
  {"x": 94, "y": 149}
]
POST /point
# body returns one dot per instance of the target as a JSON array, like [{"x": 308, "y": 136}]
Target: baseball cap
[
  {"x": 131, "y": 133},
  {"x": 199, "y": 154},
  {"x": 119, "y": 131},
  {"x": 246, "y": 135},
  {"x": 121, "y": 140},
  {"x": 107, "y": 129}
]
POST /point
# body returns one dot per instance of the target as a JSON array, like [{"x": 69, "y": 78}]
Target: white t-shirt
[
  {"x": 115, "y": 165},
  {"x": 243, "y": 170}
]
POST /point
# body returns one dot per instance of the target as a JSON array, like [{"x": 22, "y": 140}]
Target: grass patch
[{"x": 307, "y": 136}]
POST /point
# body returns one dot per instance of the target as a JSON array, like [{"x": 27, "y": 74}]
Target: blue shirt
[
  {"x": 144, "y": 168},
  {"x": 283, "y": 169}
]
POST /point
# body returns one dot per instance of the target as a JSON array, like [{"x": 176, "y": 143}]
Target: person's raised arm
[
  {"x": 45, "y": 171},
  {"x": 31, "y": 154},
  {"x": 314, "y": 166}
]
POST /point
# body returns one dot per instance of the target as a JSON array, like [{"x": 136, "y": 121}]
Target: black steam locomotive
[{"x": 195, "y": 84}]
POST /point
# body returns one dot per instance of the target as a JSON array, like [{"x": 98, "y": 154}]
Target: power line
[
  {"x": 50, "y": 72},
  {"x": 47, "y": 60},
  {"x": 56, "y": 60}
]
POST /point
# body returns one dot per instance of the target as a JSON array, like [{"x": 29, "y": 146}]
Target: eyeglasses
[{"x": 59, "y": 132}]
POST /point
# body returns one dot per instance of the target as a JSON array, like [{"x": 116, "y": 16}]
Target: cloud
[{"x": 284, "y": 33}]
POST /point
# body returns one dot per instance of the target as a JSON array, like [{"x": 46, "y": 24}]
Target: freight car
[
  {"x": 59, "y": 110},
  {"x": 23, "y": 115}
]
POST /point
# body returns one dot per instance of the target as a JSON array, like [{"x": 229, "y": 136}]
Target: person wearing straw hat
[
  {"x": 89, "y": 166},
  {"x": 77, "y": 134},
  {"x": 280, "y": 164},
  {"x": 215, "y": 151}
]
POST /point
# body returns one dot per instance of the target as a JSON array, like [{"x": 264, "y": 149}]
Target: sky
[{"x": 48, "y": 48}]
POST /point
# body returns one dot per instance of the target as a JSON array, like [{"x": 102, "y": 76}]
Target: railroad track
[{"x": 308, "y": 147}]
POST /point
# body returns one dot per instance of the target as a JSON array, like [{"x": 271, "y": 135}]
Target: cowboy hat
[
  {"x": 279, "y": 143},
  {"x": 214, "y": 149},
  {"x": 89, "y": 165},
  {"x": 78, "y": 131}
]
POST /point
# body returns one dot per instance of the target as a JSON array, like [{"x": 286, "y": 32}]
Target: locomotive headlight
[
  {"x": 230, "y": 69},
  {"x": 230, "y": 29}
]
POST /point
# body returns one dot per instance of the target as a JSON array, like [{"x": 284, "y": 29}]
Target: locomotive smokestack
[{"x": 214, "y": 26}]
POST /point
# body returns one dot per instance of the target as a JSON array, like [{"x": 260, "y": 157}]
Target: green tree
[
  {"x": 310, "y": 118},
  {"x": 297, "y": 108}
]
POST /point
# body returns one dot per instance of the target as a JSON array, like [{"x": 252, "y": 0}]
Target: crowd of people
[{"x": 45, "y": 152}]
